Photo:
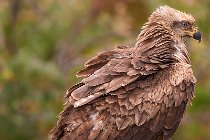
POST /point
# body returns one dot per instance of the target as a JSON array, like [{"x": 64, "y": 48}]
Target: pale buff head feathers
[
  {"x": 179, "y": 24},
  {"x": 165, "y": 32}
]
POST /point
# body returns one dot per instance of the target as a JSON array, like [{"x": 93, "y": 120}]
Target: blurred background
[{"x": 44, "y": 43}]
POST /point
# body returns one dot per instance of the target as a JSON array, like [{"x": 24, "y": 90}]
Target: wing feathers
[
  {"x": 174, "y": 116},
  {"x": 81, "y": 92},
  {"x": 87, "y": 99},
  {"x": 124, "y": 96}
]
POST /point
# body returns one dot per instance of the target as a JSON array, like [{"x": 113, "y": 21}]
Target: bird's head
[
  {"x": 162, "y": 36},
  {"x": 180, "y": 24}
]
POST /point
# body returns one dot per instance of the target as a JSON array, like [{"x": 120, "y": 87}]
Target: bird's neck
[
  {"x": 154, "y": 33},
  {"x": 157, "y": 42},
  {"x": 182, "y": 53}
]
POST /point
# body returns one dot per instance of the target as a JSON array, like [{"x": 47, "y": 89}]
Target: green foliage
[{"x": 44, "y": 43}]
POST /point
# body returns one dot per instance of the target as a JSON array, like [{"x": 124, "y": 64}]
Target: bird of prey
[{"x": 134, "y": 93}]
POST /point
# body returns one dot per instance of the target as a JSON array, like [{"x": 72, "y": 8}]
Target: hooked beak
[{"x": 195, "y": 34}]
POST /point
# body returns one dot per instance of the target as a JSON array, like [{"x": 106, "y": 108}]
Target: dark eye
[{"x": 185, "y": 24}]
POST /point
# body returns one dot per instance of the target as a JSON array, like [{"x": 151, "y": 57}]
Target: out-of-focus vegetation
[{"x": 43, "y": 43}]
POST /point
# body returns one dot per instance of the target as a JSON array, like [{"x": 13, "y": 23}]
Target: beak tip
[{"x": 197, "y": 36}]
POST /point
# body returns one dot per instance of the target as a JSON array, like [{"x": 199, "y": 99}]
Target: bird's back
[{"x": 116, "y": 100}]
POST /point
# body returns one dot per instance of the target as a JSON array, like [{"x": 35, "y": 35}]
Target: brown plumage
[{"x": 132, "y": 93}]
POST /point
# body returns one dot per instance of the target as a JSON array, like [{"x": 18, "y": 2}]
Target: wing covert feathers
[{"x": 123, "y": 97}]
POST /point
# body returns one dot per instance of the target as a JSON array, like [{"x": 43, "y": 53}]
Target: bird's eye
[{"x": 185, "y": 24}]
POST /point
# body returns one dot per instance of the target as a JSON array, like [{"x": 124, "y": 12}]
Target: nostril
[{"x": 195, "y": 29}]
